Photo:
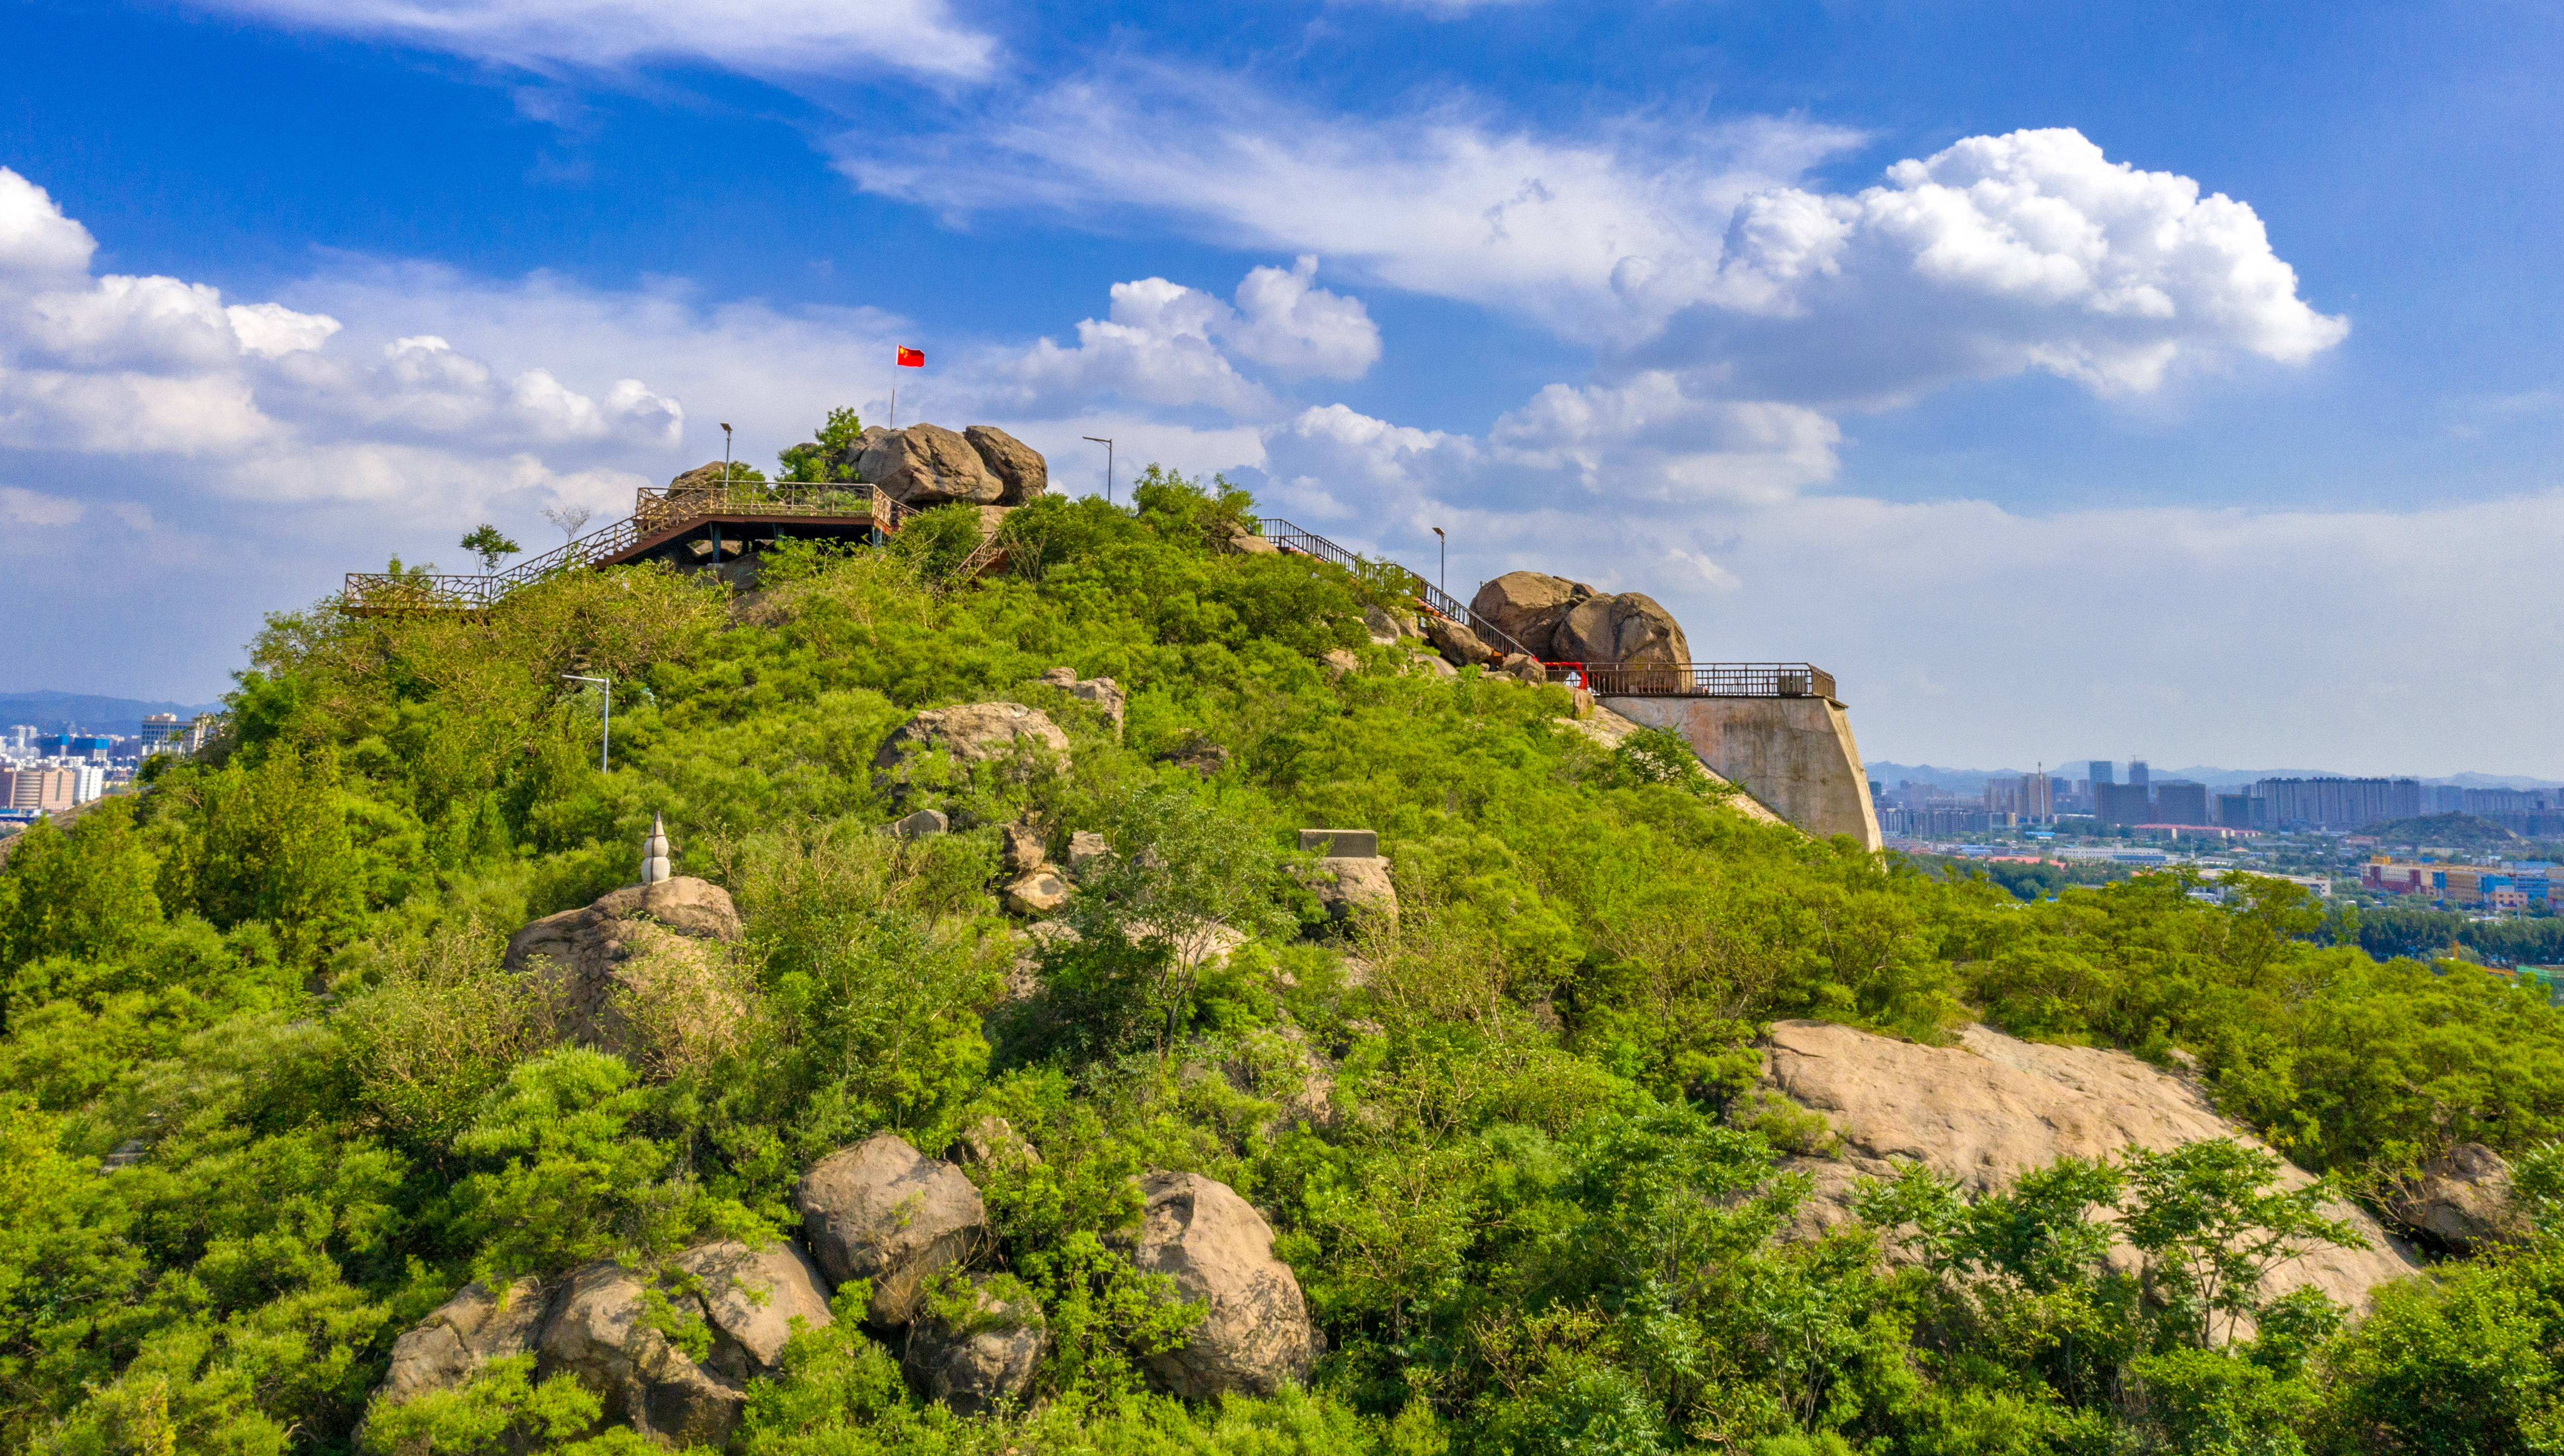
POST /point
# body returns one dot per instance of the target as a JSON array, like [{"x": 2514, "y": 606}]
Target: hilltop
[
  {"x": 2468, "y": 832},
  {"x": 1151, "y": 1000}
]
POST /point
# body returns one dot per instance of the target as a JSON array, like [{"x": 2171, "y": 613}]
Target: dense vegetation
[
  {"x": 2392, "y": 931},
  {"x": 1533, "y": 1209}
]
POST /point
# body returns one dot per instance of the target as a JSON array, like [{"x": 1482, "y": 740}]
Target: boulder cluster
[
  {"x": 910, "y": 1224},
  {"x": 1557, "y": 620},
  {"x": 928, "y": 465}
]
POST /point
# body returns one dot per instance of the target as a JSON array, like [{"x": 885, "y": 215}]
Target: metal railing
[
  {"x": 1696, "y": 679},
  {"x": 1428, "y": 597},
  {"x": 658, "y": 512}
]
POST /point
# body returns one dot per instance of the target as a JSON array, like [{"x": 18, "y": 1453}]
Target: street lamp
[
  {"x": 605, "y": 744},
  {"x": 1107, "y": 464},
  {"x": 724, "y": 456},
  {"x": 1444, "y": 585}
]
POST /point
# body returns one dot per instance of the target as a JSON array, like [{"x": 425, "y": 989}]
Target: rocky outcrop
[
  {"x": 1022, "y": 472},
  {"x": 1386, "y": 625},
  {"x": 1628, "y": 628},
  {"x": 599, "y": 1335},
  {"x": 447, "y": 1349},
  {"x": 979, "y": 1361},
  {"x": 1557, "y": 620},
  {"x": 1458, "y": 645},
  {"x": 928, "y": 465},
  {"x": 638, "y": 963},
  {"x": 1528, "y": 607},
  {"x": 592, "y": 1326},
  {"x": 1036, "y": 891},
  {"x": 1346, "y": 887},
  {"x": 1104, "y": 692},
  {"x": 2460, "y": 1201},
  {"x": 1993, "y": 1107},
  {"x": 883, "y": 1211},
  {"x": 1255, "y": 1332},
  {"x": 973, "y": 733}
]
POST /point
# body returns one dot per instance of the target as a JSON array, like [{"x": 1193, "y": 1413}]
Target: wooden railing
[
  {"x": 658, "y": 512},
  {"x": 1696, "y": 679}
]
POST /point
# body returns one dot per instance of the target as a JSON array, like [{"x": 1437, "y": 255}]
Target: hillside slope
[{"x": 1109, "y": 1098}]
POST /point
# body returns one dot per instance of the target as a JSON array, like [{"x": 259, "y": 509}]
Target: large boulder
[
  {"x": 592, "y": 1325},
  {"x": 599, "y": 1335},
  {"x": 1022, "y": 472},
  {"x": 1993, "y": 1107},
  {"x": 640, "y": 972},
  {"x": 447, "y": 1349},
  {"x": 1528, "y": 606},
  {"x": 928, "y": 465},
  {"x": 1628, "y": 628},
  {"x": 881, "y": 1211},
  {"x": 1348, "y": 885},
  {"x": 1458, "y": 645},
  {"x": 1255, "y": 1332},
  {"x": 2462, "y": 1201},
  {"x": 976, "y": 1360},
  {"x": 751, "y": 1298},
  {"x": 972, "y": 733}
]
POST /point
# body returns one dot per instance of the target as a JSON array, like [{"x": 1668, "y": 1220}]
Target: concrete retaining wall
[{"x": 1795, "y": 755}]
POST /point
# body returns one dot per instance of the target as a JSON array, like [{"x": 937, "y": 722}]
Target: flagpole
[{"x": 894, "y": 406}]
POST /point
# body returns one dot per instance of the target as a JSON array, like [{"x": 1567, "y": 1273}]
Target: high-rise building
[
  {"x": 88, "y": 780},
  {"x": 39, "y": 790},
  {"x": 160, "y": 728},
  {"x": 2234, "y": 812},
  {"x": 2338, "y": 803},
  {"x": 2121, "y": 803},
  {"x": 2103, "y": 771},
  {"x": 22, "y": 737},
  {"x": 2443, "y": 799},
  {"x": 2179, "y": 801},
  {"x": 2139, "y": 774}
]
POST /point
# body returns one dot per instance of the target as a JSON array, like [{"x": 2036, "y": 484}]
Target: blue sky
[{"x": 2160, "y": 379}]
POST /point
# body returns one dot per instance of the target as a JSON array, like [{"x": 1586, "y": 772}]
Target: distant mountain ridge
[
  {"x": 53, "y": 712},
  {"x": 1973, "y": 780}
]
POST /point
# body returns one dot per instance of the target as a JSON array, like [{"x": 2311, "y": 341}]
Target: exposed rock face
[
  {"x": 981, "y": 1362},
  {"x": 447, "y": 1349},
  {"x": 1248, "y": 543},
  {"x": 1628, "y": 628},
  {"x": 883, "y": 1211},
  {"x": 1522, "y": 665},
  {"x": 1993, "y": 1107},
  {"x": 643, "y": 941},
  {"x": 2461, "y": 1202},
  {"x": 1024, "y": 849},
  {"x": 923, "y": 824},
  {"x": 993, "y": 1140},
  {"x": 1528, "y": 606},
  {"x": 1339, "y": 662},
  {"x": 597, "y": 1335},
  {"x": 706, "y": 477},
  {"x": 1037, "y": 891},
  {"x": 1255, "y": 1334},
  {"x": 1085, "y": 844},
  {"x": 590, "y": 1325},
  {"x": 1104, "y": 692},
  {"x": 928, "y": 465},
  {"x": 1348, "y": 884},
  {"x": 1557, "y": 620},
  {"x": 1020, "y": 470},
  {"x": 974, "y": 733},
  {"x": 1457, "y": 644},
  {"x": 1388, "y": 626},
  {"x": 750, "y": 1296}
]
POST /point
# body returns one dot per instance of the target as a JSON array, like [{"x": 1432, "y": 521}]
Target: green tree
[
  {"x": 487, "y": 543},
  {"x": 2211, "y": 1222},
  {"x": 84, "y": 892}
]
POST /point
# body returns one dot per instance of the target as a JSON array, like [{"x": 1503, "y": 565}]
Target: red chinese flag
[{"x": 909, "y": 359}]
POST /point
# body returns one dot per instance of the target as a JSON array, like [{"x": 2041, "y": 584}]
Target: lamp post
[
  {"x": 1443, "y": 585},
  {"x": 606, "y": 743},
  {"x": 724, "y": 456},
  {"x": 1107, "y": 464}
]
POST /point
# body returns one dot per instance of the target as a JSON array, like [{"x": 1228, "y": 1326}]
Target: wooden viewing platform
[{"x": 666, "y": 523}]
